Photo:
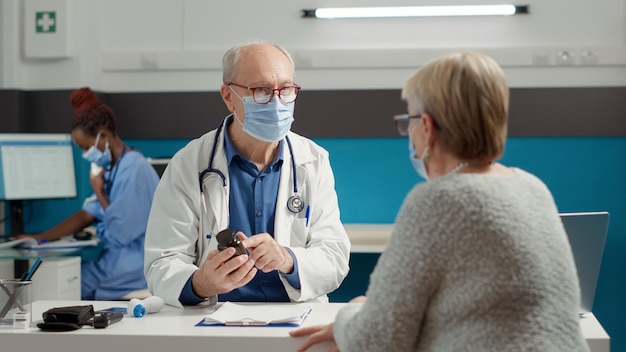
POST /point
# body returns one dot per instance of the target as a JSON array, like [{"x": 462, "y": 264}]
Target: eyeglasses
[
  {"x": 263, "y": 95},
  {"x": 402, "y": 122}
]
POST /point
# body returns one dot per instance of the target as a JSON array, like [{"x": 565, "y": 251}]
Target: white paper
[{"x": 258, "y": 314}]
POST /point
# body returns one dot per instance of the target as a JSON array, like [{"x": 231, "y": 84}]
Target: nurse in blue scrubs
[{"x": 123, "y": 183}]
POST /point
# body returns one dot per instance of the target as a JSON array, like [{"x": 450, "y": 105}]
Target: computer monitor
[
  {"x": 159, "y": 164},
  {"x": 35, "y": 166},
  {"x": 587, "y": 234}
]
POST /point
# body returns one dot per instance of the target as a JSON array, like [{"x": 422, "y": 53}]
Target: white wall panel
[
  {"x": 9, "y": 44},
  {"x": 131, "y": 25},
  {"x": 219, "y": 24},
  {"x": 162, "y": 45}
]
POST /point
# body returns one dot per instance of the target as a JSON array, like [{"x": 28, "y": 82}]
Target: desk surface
[
  {"x": 368, "y": 238},
  {"x": 86, "y": 253},
  {"x": 174, "y": 328}
]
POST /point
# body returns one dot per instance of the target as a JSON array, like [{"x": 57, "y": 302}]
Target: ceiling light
[{"x": 415, "y": 11}]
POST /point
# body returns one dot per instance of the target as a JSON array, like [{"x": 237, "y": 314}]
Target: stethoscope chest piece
[{"x": 295, "y": 204}]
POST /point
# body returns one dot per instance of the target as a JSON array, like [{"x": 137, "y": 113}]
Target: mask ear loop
[{"x": 95, "y": 144}]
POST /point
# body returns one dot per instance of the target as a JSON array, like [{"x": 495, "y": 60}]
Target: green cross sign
[{"x": 45, "y": 22}]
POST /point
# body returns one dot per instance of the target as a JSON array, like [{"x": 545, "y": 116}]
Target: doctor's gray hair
[{"x": 231, "y": 59}]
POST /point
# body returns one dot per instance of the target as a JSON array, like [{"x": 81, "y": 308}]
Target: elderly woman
[{"x": 478, "y": 258}]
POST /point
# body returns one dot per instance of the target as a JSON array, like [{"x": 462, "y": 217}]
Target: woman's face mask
[
  {"x": 268, "y": 122},
  {"x": 418, "y": 163},
  {"x": 94, "y": 155}
]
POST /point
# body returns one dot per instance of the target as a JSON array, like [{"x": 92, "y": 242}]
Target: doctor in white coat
[{"x": 271, "y": 186}]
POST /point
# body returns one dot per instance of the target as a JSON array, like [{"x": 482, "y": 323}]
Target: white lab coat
[{"x": 176, "y": 243}]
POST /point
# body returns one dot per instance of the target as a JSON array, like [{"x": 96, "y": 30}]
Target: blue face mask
[
  {"x": 268, "y": 122},
  {"x": 94, "y": 155},
  {"x": 418, "y": 163}
]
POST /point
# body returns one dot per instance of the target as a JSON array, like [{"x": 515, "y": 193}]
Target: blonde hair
[{"x": 467, "y": 96}]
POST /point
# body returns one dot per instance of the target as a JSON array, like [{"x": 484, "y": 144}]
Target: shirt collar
[{"x": 231, "y": 151}]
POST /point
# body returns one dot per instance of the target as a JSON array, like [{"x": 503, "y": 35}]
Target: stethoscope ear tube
[{"x": 295, "y": 204}]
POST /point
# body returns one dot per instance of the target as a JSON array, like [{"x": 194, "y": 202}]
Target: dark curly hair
[{"x": 90, "y": 115}]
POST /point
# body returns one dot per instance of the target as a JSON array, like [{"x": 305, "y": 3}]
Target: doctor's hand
[
  {"x": 222, "y": 273},
  {"x": 267, "y": 253},
  {"x": 317, "y": 334}
]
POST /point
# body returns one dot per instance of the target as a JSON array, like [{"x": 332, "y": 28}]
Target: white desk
[
  {"x": 595, "y": 335},
  {"x": 368, "y": 238},
  {"x": 174, "y": 329}
]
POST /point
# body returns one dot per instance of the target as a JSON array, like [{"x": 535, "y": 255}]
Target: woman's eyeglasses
[{"x": 402, "y": 122}]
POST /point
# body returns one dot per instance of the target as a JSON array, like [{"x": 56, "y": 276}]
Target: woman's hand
[
  {"x": 317, "y": 334},
  {"x": 358, "y": 299}
]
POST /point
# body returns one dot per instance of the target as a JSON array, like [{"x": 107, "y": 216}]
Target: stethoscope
[
  {"x": 295, "y": 204},
  {"x": 108, "y": 185}
]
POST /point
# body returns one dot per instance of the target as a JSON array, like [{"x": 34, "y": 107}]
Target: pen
[
  {"x": 308, "y": 208},
  {"x": 29, "y": 274}
]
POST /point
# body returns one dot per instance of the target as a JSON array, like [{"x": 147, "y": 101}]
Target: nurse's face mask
[{"x": 96, "y": 156}]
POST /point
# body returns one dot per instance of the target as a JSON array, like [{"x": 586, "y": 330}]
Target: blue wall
[{"x": 373, "y": 175}]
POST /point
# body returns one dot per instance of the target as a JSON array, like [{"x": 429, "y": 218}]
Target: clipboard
[{"x": 274, "y": 315}]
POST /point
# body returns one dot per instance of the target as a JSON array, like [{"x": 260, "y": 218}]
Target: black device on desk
[
  {"x": 74, "y": 317},
  {"x": 83, "y": 236}
]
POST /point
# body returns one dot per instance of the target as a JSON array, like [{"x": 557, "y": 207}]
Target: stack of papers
[
  {"x": 31, "y": 243},
  {"x": 286, "y": 314}
]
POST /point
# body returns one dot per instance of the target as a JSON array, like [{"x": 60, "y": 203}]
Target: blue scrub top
[{"x": 121, "y": 230}]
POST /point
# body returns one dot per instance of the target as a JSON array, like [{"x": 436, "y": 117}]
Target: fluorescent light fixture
[{"x": 416, "y": 11}]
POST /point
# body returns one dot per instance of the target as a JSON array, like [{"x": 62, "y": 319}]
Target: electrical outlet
[
  {"x": 589, "y": 57},
  {"x": 565, "y": 57},
  {"x": 541, "y": 57},
  {"x": 303, "y": 59},
  {"x": 149, "y": 61}
]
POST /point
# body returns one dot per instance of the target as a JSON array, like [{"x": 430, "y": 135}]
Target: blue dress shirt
[{"x": 252, "y": 210}]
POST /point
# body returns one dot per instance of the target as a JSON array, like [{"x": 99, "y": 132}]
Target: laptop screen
[{"x": 587, "y": 235}]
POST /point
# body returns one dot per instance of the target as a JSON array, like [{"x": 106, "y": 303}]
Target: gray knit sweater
[{"x": 474, "y": 263}]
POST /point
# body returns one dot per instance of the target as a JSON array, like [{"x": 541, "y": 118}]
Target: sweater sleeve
[{"x": 404, "y": 279}]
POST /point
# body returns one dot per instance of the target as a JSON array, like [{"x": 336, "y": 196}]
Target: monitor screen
[
  {"x": 36, "y": 166},
  {"x": 159, "y": 164}
]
